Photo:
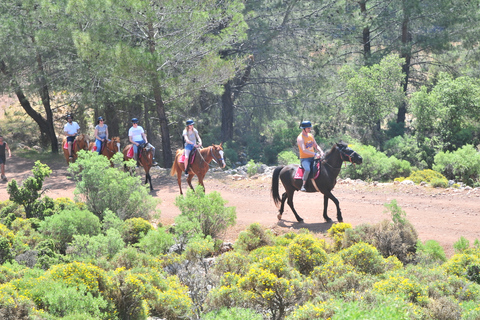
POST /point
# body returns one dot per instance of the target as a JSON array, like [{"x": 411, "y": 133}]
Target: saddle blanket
[
  {"x": 130, "y": 152},
  {"x": 182, "y": 158},
  {"x": 65, "y": 146},
  {"x": 94, "y": 148},
  {"x": 300, "y": 171}
]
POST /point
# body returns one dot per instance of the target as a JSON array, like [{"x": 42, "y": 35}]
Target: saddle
[
  {"x": 191, "y": 158},
  {"x": 130, "y": 151},
  {"x": 314, "y": 170}
]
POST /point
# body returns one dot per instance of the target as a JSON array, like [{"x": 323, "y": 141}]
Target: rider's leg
[
  {"x": 306, "y": 165},
  {"x": 186, "y": 163},
  {"x": 98, "y": 144}
]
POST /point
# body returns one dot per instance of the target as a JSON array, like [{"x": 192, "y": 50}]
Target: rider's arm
[
  {"x": 8, "y": 149},
  {"x": 130, "y": 138},
  {"x": 319, "y": 149},
  {"x": 106, "y": 134},
  {"x": 96, "y": 134},
  {"x": 144, "y": 136},
  {"x": 199, "y": 142},
  {"x": 185, "y": 136}
]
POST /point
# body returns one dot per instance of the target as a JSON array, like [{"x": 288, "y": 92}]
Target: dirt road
[{"x": 443, "y": 215}]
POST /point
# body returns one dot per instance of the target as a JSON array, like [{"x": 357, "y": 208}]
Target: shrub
[
  {"x": 376, "y": 166},
  {"x": 134, "y": 229},
  {"x": 459, "y": 263},
  {"x": 156, "y": 242},
  {"x": 47, "y": 255},
  {"x": 233, "y": 314},
  {"x": 171, "y": 300},
  {"x": 198, "y": 248},
  {"x": 399, "y": 285},
  {"x": 287, "y": 157},
  {"x": 103, "y": 187},
  {"x": 204, "y": 214},
  {"x": 405, "y": 147},
  {"x": 9, "y": 211},
  {"x": 29, "y": 194},
  {"x": 84, "y": 247},
  {"x": 253, "y": 168},
  {"x": 14, "y": 306},
  {"x": 254, "y": 237},
  {"x": 462, "y": 164},
  {"x": 461, "y": 245},
  {"x": 231, "y": 262},
  {"x": 336, "y": 232},
  {"x": 429, "y": 176},
  {"x": 64, "y": 225},
  {"x": 430, "y": 252},
  {"x": 364, "y": 258},
  {"x": 306, "y": 252}
]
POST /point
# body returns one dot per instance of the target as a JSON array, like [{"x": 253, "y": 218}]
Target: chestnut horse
[
  {"x": 109, "y": 148},
  {"x": 200, "y": 164},
  {"x": 80, "y": 143},
  {"x": 145, "y": 158},
  {"x": 324, "y": 182}
]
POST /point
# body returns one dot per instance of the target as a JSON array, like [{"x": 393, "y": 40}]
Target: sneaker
[
  {"x": 70, "y": 157},
  {"x": 4, "y": 178},
  {"x": 303, "y": 189},
  {"x": 154, "y": 163},
  {"x": 186, "y": 173}
]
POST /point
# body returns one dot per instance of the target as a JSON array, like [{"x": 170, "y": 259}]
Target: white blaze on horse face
[
  {"x": 223, "y": 159},
  {"x": 118, "y": 146}
]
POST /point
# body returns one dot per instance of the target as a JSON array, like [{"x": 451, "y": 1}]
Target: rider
[
  {"x": 71, "y": 130},
  {"x": 192, "y": 139},
  {"x": 137, "y": 136},
  {"x": 3, "y": 157},
  {"x": 306, "y": 146},
  {"x": 101, "y": 133}
]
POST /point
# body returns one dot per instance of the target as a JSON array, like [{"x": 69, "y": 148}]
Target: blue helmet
[
  {"x": 189, "y": 122},
  {"x": 100, "y": 118},
  {"x": 134, "y": 120},
  {"x": 305, "y": 124}
]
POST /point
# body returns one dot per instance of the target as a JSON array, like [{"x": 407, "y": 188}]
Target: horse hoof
[
  {"x": 279, "y": 216},
  {"x": 340, "y": 220},
  {"x": 328, "y": 220}
]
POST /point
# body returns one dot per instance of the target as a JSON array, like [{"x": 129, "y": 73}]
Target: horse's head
[
  {"x": 348, "y": 154},
  {"x": 146, "y": 154},
  {"x": 114, "y": 144},
  {"x": 217, "y": 154},
  {"x": 82, "y": 142}
]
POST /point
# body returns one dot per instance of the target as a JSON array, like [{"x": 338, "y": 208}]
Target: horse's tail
[
  {"x": 274, "y": 190},
  {"x": 173, "y": 171}
]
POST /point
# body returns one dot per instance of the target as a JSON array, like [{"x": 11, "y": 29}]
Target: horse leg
[
  {"x": 189, "y": 181},
  {"x": 290, "y": 203},
  {"x": 282, "y": 205},
  {"x": 327, "y": 196},
  {"x": 148, "y": 178},
  {"x": 200, "y": 181},
  {"x": 179, "y": 177}
]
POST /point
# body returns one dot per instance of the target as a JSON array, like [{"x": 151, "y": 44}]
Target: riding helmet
[
  {"x": 305, "y": 124},
  {"x": 189, "y": 122},
  {"x": 69, "y": 116},
  {"x": 134, "y": 120},
  {"x": 100, "y": 118}
]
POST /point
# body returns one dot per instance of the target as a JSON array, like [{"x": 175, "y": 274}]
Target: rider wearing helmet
[
  {"x": 306, "y": 147},
  {"x": 101, "y": 133},
  {"x": 71, "y": 130},
  {"x": 192, "y": 139},
  {"x": 137, "y": 136}
]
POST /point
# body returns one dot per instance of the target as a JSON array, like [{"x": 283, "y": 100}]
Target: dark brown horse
[
  {"x": 324, "y": 183},
  {"x": 145, "y": 158},
  {"x": 200, "y": 164},
  {"x": 80, "y": 143},
  {"x": 109, "y": 148}
]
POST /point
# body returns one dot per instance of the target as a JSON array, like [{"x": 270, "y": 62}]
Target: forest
[{"x": 400, "y": 76}]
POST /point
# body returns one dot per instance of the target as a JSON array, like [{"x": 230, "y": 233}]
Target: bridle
[
  {"x": 217, "y": 160},
  {"x": 343, "y": 155}
]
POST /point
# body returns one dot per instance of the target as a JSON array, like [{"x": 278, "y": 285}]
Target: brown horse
[
  {"x": 324, "y": 183},
  {"x": 199, "y": 166},
  {"x": 145, "y": 158},
  {"x": 109, "y": 148},
  {"x": 80, "y": 143}
]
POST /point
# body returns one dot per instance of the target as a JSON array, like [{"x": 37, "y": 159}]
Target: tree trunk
[
  {"x": 406, "y": 54},
  {"x": 112, "y": 119},
  {"x": 160, "y": 106},
  {"x": 46, "y": 126},
  {"x": 365, "y": 35}
]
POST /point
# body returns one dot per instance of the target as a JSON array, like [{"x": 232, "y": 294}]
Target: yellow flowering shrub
[
  {"x": 172, "y": 300},
  {"x": 78, "y": 274},
  {"x": 13, "y": 304},
  {"x": 458, "y": 264},
  {"x": 305, "y": 252},
  {"x": 134, "y": 228},
  {"x": 364, "y": 257},
  {"x": 411, "y": 289},
  {"x": 336, "y": 232},
  {"x": 273, "y": 259}
]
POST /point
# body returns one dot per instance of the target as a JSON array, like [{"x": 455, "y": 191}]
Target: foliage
[
  {"x": 9, "y": 211},
  {"x": 203, "y": 214},
  {"x": 306, "y": 252},
  {"x": 376, "y": 166},
  {"x": 63, "y": 226},
  {"x": 156, "y": 242},
  {"x": 30, "y": 192},
  {"x": 461, "y": 245},
  {"x": 364, "y": 257},
  {"x": 90, "y": 248},
  {"x": 462, "y": 164},
  {"x": 252, "y": 238},
  {"x": 233, "y": 314},
  {"x": 104, "y": 187},
  {"x": 406, "y": 147},
  {"x": 430, "y": 252},
  {"x": 336, "y": 232},
  {"x": 287, "y": 157},
  {"x": 434, "y": 178},
  {"x": 134, "y": 229},
  {"x": 253, "y": 167}
]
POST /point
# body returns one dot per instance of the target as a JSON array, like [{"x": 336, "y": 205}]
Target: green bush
[
  {"x": 405, "y": 147},
  {"x": 306, "y": 252},
  {"x": 253, "y": 168},
  {"x": 462, "y": 164},
  {"x": 204, "y": 214},
  {"x": 233, "y": 314},
  {"x": 64, "y": 225},
  {"x": 14, "y": 306},
  {"x": 134, "y": 229},
  {"x": 429, "y": 176},
  {"x": 287, "y": 157},
  {"x": 252, "y": 238},
  {"x": 30, "y": 192},
  {"x": 84, "y": 247},
  {"x": 103, "y": 187},
  {"x": 376, "y": 166},
  {"x": 336, "y": 232},
  {"x": 156, "y": 242},
  {"x": 430, "y": 252},
  {"x": 364, "y": 257}
]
